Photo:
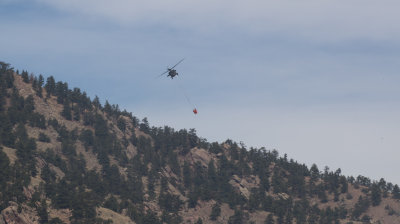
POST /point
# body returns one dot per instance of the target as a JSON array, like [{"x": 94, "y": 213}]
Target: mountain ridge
[{"x": 68, "y": 159}]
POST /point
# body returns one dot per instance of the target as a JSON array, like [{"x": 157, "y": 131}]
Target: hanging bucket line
[{"x": 184, "y": 92}]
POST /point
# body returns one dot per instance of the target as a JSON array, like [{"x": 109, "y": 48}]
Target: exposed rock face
[
  {"x": 10, "y": 215},
  {"x": 116, "y": 218},
  {"x": 131, "y": 151},
  {"x": 245, "y": 184},
  {"x": 11, "y": 154},
  {"x": 283, "y": 196},
  {"x": 63, "y": 214},
  {"x": 199, "y": 155}
]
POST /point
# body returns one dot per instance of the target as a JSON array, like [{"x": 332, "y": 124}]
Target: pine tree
[
  {"x": 25, "y": 76},
  {"x": 376, "y": 195},
  {"x": 41, "y": 81},
  {"x": 96, "y": 102},
  {"x": 187, "y": 176},
  {"x": 63, "y": 197},
  {"x": 42, "y": 212},
  {"x": 237, "y": 218},
  {"x": 269, "y": 219},
  {"x": 4, "y": 67},
  {"x": 396, "y": 192},
  {"x": 215, "y": 211},
  {"x": 360, "y": 207},
  {"x": 344, "y": 184},
  {"x": 4, "y": 170},
  {"x": 107, "y": 108},
  {"x": 50, "y": 86},
  {"x": 212, "y": 177}
]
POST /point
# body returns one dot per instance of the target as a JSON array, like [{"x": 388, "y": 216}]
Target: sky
[{"x": 315, "y": 79}]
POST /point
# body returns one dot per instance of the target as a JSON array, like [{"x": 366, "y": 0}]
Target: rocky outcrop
[
  {"x": 199, "y": 155},
  {"x": 10, "y": 215},
  {"x": 244, "y": 185},
  {"x": 11, "y": 154},
  {"x": 116, "y": 218}
]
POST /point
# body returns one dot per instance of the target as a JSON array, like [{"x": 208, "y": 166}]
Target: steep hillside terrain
[{"x": 65, "y": 158}]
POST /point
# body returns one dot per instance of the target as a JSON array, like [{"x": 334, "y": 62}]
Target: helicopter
[{"x": 171, "y": 71}]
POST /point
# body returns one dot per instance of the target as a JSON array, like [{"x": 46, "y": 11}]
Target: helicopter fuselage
[{"x": 172, "y": 73}]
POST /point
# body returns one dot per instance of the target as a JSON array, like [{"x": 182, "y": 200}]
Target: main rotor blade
[
  {"x": 162, "y": 74},
  {"x": 178, "y": 63}
]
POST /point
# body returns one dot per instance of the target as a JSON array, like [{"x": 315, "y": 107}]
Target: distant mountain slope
[{"x": 65, "y": 158}]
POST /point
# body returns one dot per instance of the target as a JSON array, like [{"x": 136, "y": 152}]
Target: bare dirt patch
[
  {"x": 11, "y": 154},
  {"x": 117, "y": 218}
]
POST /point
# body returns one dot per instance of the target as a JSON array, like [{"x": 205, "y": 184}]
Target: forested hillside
[{"x": 66, "y": 158}]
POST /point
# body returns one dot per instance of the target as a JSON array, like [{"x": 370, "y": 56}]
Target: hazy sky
[{"x": 316, "y": 79}]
